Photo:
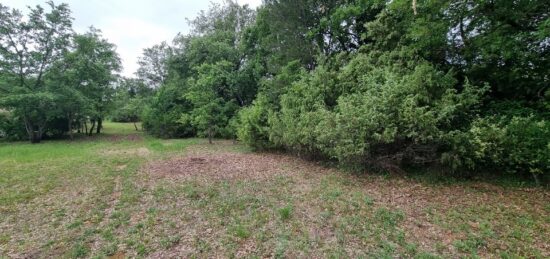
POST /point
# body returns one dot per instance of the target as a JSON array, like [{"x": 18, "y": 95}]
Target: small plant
[
  {"x": 389, "y": 218},
  {"x": 285, "y": 213},
  {"x": 169, "y": 241},
  {"x": 80, "y": 250},
  {"x": 241, "y": 231}
]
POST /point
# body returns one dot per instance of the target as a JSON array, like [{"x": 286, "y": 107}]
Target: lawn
[{"x": 124, "y": 194}]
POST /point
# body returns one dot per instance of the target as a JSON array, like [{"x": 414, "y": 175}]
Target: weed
[{"x": 285, "y": 212}]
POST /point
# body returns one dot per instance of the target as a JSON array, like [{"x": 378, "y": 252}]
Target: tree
[
  {"x": 211, "y": 94},
  {"x": 130, "y": 99},
  {"x": 213, "y": 73},
  {"x": 153, "y": 65},
  {"x": 92, "y": 68},
  {"x": 29, "y": 46}
]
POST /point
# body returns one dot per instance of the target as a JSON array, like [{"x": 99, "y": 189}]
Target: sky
[{"x": 132, "y": 24}]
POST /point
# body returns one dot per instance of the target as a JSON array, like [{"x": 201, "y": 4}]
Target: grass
[{"x": 98, "y": 197}]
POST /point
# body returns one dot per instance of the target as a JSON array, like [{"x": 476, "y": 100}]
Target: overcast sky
[{"x": 132, "y": 24}]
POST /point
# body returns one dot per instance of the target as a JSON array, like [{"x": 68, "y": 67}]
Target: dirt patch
[
  {"x": 134, "y": 152},
  {"x": 220, "y": 166},
  {"x": 134, "y": 137}
]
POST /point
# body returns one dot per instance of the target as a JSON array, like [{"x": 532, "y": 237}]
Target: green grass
[{"x": 94, "y": 197}]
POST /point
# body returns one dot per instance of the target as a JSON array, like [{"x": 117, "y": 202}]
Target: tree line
[
  {"x": 461, "y": 85},
  {"x": 52, "y": 80}
]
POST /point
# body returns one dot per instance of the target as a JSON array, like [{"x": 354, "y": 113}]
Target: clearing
[{"x": 128, "y": 195}]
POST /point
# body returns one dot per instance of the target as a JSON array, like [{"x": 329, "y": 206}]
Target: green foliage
[
  {"x": 370, "y": 111},
  {"x": 51, "y": 78},
  {"x": 254, "y": 121},
  {"x": 162, "y": 117},
  {"x": 253, "y": 128},
  {"x": 130, "y": 101},
  {"x": 505, "y": 144},
  {"x": 11, "y": 128},
  {"x": 208, "y": 79}
]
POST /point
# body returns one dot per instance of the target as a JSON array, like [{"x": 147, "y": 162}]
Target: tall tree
[
  {"x": 83, "y": 78},
  {"x": 153, "y": 65},
  {"x": 29, "y": 46}
]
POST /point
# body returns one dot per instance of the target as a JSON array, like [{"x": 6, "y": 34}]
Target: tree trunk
[
  {"x": 99, "y": 125},
  {"x": 92, "y": 128},
  {"x": 35, "y": 137},
  {"x": 70, "y": 125},
  {"x": 135, "y": 126},
  {"x": 210, "y": 135},
  {"x": 536, "y": 177},
  {"x": 85, "y": 127}
]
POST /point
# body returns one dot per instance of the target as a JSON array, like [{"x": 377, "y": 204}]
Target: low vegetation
[{"x": 126, "y": 194}]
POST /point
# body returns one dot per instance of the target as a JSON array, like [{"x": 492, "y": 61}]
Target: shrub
[
  {"x": 162, "y": 118},
  {"x": 253, "y": 128},
  {"x": 11, "y": 128},
  {"x": 302, "y": 109},
  {"x": 255, "y": 123},
  {"x": 505, "y": 144}
]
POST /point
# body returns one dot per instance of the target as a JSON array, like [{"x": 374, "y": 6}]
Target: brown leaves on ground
[{"x": 221, "y": 166}]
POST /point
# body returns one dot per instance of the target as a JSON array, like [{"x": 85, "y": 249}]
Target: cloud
[
  {"x": 132, "y": 35},
  {"x": 132, "y": 24}
]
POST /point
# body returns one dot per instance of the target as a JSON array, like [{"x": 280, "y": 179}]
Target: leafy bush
[
  {"x": 302, "y": 107},
  {"x": 372, "y": 111},
  {"x": 505, "y": 144},
  {"x": 255, "y": 121},
  {"x": 11, "y": 128},
  {"x": 253, "y": 128},
  {"x": 162, "y": 117}
]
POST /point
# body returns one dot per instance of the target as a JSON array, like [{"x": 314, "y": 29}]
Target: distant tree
[
  {"x": 130, "y": 99},
  {"x": 153, "y": 65},
  {"x": 92, "y": 67}
]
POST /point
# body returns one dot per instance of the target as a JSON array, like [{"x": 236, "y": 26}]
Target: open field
[{"x": 128, "y": 195}]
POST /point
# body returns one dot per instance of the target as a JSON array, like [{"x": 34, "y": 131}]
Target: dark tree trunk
[
  {"x": 135, "y": 126},
  {"x": 92, "y": 128},
  {"x": 210, "y": 135},
  {"x": 70, "y": 125},
  {"x": 99, "y": 125},
  {"x": 536, "y": 177},
  {"x": 85, "y": 127},
  {"x": 35, "y": 137}
]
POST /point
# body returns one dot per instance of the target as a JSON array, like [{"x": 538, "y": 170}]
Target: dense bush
[
  {"x": 11, "y": 128},
  {"x": 132, "y": 111},
  {"x": 253, "y": 127},
  {"x": 504, "y": 145},
  {"x": 162, "y": 117},
  {"x": 369, "y": 111}
]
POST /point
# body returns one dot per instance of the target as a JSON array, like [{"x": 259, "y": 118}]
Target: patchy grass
[{"x": 124, "y": 194}]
